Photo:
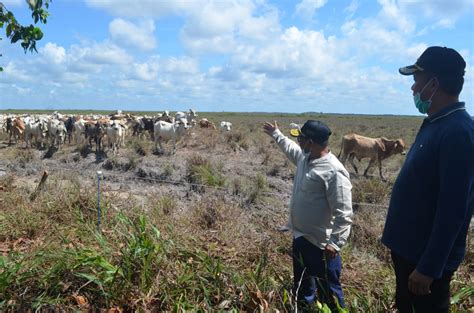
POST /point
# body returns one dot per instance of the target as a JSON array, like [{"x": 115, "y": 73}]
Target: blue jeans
[{"x": 317, "y": 275}]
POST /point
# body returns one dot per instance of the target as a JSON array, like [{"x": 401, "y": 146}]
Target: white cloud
[
  {"x": 351, "y": 8},
  {"x": 53, "y": 53},
  {"x": 181, "y": 65},
  {"x": 307, "y": 8},
  {"x": 104, "y": 53},
  {"x": 14, "y": 72},
  {"x": 211, "y": 26},
  {"x": 296, "y": 53},
  {"x": 391, "y": 14},
  {"x": 438, "y": 8},
  {"x": 140, "y": 36},
  {"x": 145, "y": 71},
  {"x": 21, "y": 90},
  {"x": 218, "y": 26}
]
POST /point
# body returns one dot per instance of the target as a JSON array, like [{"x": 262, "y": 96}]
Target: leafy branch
[{"x": 28, "y": 35}]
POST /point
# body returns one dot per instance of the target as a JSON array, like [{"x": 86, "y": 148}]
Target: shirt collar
[
  {"x": 446, "y": 111},
  {"x": 321, "y": 159}
]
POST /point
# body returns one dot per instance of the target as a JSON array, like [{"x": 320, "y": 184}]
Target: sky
[{"x": 329, "y": 56}]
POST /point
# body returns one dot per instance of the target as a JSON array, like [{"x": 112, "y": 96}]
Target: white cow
[
  {"x": 225, "y": 126},
  {"x": 79, "y": 131},
  {"x": 115, "y": 133},
  {"x": 57, "y": 132},
  {"x": 37, "y": 129},
  {"x": 189, "y": 116},
  {"x": 165, "y": 131}
]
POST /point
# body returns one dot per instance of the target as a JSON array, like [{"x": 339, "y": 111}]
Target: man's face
[
  {"x": 305, "y": 143},
  {"x": 420, "y": 81}
]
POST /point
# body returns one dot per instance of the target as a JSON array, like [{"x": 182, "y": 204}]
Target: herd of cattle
[{"x": 57, "y": 129}]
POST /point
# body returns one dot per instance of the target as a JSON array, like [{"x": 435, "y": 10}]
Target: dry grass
[{"x": 169, "y": 247}]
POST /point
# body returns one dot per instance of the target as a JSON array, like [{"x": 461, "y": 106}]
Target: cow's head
[
  {"x": 391, "y": 147},
  {"x": 43, "y": 128},
  {"x": 399, "y": 147},
  {"x": 192, "y": 113},
  {"x": 181, "y": 125}
]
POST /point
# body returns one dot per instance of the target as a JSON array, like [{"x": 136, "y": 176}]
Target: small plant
[
  {"x": 200, "y": 171},
  {"x": 370, "y": 191},
  {"x": 257, "y": 189},
  {"x": 131, "y": 164},
  {"x": 6, "y": 182},
  {"x": 139, "y": 147},
  {"x": 208, "y": 213},
  {"x": 267, "y": 156},
  {"x": 24, "y": 156},
  {"x": 237, "y": 186},
  {"x": 111, "y": 163},
  {"x": 274, "y": 170},
  {"x": 237, "y": 140},
  {"x": 167, "y": 171},
  {"x": 84, "y": 150},
  {"x": 167, "y": 204}
]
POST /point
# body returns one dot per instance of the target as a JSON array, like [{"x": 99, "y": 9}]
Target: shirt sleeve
[
  {"x": 339, "y": 196},
  {"x": 291, "y": 149},
  {"x": 456, "y": 175}
]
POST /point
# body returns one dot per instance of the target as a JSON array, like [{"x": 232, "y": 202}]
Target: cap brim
[
  {"x": 295, "y": 132},
  {"x": 410, "y": 70}
]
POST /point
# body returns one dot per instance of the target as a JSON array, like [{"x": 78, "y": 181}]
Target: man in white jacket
[{"x": 320, "y": 212}]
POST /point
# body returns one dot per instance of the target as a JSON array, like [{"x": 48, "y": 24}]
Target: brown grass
[{"x": 168, "y": 247}]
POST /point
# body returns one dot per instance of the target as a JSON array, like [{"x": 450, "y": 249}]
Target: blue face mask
[{"x": 423, "y": 106}]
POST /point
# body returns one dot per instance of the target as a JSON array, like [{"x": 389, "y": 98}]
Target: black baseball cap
[
  {"x": 315, "y": 130},
  {"x": 440, "y": 61}
]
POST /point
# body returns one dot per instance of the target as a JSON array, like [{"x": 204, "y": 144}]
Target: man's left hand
[
  {"x": 419, "y": 284},
  {"x": 330, "y": 252}
]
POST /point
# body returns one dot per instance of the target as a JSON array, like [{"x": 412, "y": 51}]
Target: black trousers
[{"x": 435, "y": 302}]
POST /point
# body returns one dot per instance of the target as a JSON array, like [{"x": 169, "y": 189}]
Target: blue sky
[{"x": 330, "y": 56}]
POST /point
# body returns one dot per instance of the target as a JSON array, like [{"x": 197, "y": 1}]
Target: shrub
[
  {"x": 257, "y": 188},
  {"x": 208, "y": 212},
  {"x": 237, "y": 140},
  {"x": 201, "y": 172},
  {"x": 139, "y": 147},
  {"x": 370, "y": 191}
]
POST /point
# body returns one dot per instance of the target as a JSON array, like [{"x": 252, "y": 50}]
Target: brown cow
[
  {"x": 354, "y": 145},
  {"x": 205, "y": 123},
  {"x": 17, "y": 130}
]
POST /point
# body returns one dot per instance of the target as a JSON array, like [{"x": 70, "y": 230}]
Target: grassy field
[{"x": 194, "y": 231}]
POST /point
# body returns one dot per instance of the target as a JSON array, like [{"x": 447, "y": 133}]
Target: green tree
[{"x": 28, "y": 35}]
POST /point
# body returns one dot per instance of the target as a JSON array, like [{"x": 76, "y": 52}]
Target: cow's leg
[
  {"x": 174, "y": 145},
  {"x": 351, "y": 160},
  {"x": 380, "y": 169},
  {"x": 28, "y": 140},
  {"x": 368, "y": 166},
  {"x": 161, "y": 146}
]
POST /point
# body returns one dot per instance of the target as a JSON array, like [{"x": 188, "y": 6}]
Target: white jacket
[{"x": 321, "y": 201}]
